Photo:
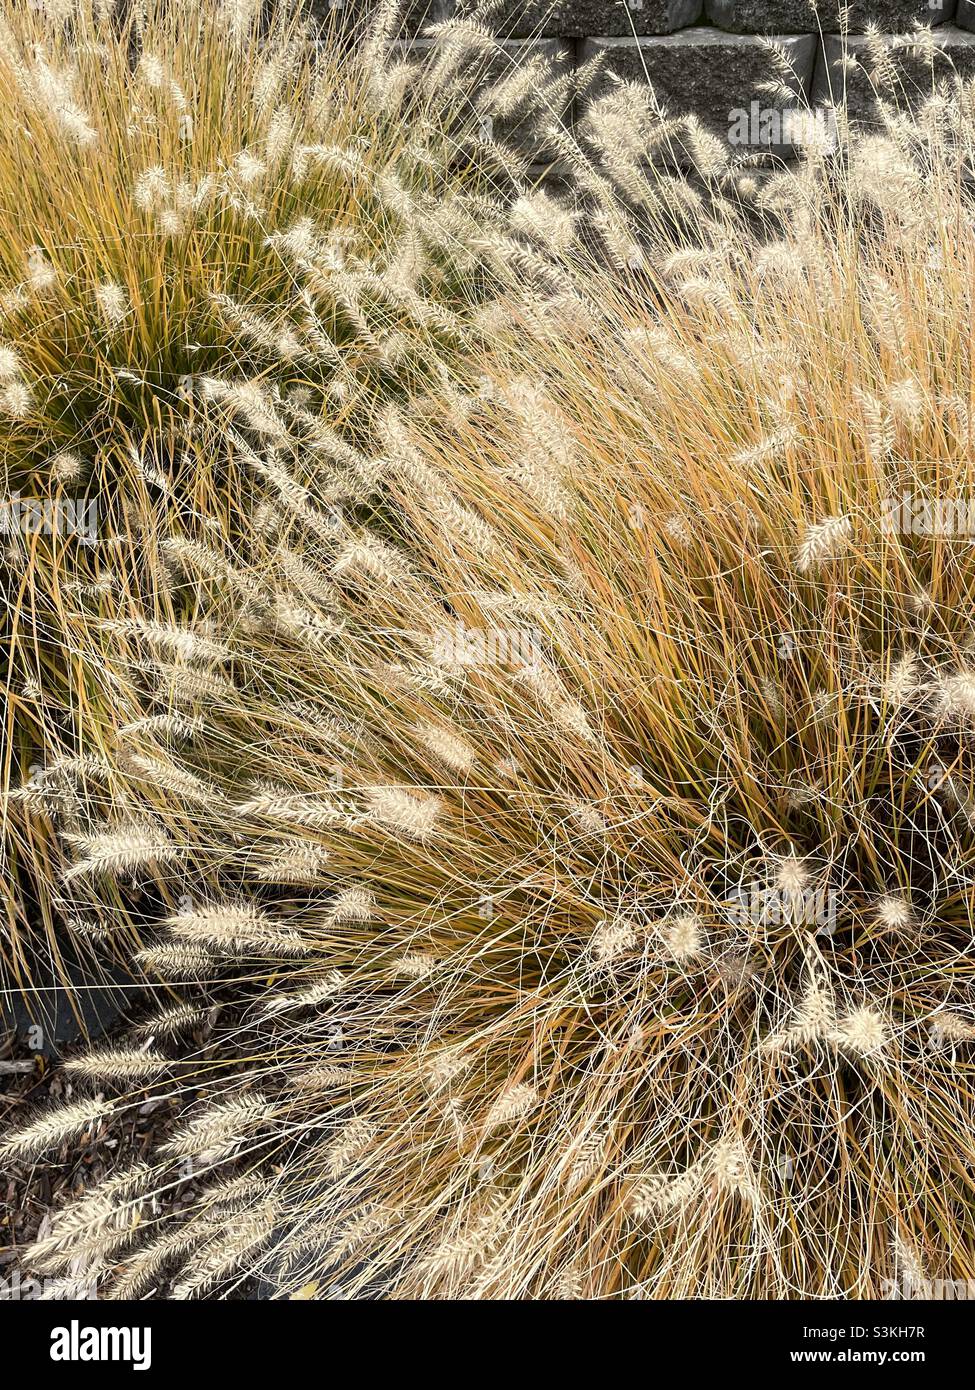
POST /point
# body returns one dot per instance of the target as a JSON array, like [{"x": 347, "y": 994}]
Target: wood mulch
[{"x": 31, "y": 1191}]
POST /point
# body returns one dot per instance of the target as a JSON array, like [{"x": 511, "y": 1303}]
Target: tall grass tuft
[
  {"x": 220, "y": 227},
  {"x": 574, "y": 827}
]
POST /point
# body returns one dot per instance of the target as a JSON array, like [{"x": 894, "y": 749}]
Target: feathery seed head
[
  {"x": 403, "y": 812},
  {"x": 893, "y": 913},
  {"x": 55, "y": 1128},
  {"x": 113, "y": 304},
  {"x": 682, "y": 936},
  {"x": 864, "y": 1032},
  {"x": 353, "y": 905},
  {"x": 514, "y": 1102},
  {"x": 823, "y": 543}
]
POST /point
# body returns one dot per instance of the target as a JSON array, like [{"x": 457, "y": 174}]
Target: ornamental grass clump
[
  {"x": 216, "y": 220},
  {"x": 566, "y": 847}
]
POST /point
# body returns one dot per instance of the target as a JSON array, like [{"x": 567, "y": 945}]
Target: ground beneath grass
[{"x": 31, "y": 1192}]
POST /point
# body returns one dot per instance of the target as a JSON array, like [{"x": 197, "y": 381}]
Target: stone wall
[{"x": 708, "y": 56}]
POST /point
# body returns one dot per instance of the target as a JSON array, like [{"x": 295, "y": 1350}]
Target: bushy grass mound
[
  {"x": 564, "y": 802},
  {"x": 218, "y": 224}
]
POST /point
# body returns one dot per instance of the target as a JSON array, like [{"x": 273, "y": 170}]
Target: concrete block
[
  {"x": 797, "y": 16},
  {"x": 956, "y": 49},
  {"x": 414, "y": 16},
  {"x": 579, "y": 18},
  {"x": 715, "y": 76}
]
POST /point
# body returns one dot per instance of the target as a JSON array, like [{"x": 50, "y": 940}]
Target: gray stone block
[
  {"x": 713, "y": 75},
  {"x": 797, "y": 16},
  {"x": 965, "y": 15},
  {"x": 957, "y": 53},
  {"x": 564, "y": 19},
  {"x": 414, "y": 15},
  {"x": 579, "y": 18},
  {"x": 523, "y": 133},
  {"x": 761, "y": 16}
]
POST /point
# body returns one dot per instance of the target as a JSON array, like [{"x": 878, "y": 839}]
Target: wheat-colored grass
[
  {"x": 574, "y": 820},
  {"x": 209, "y": 222}
]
